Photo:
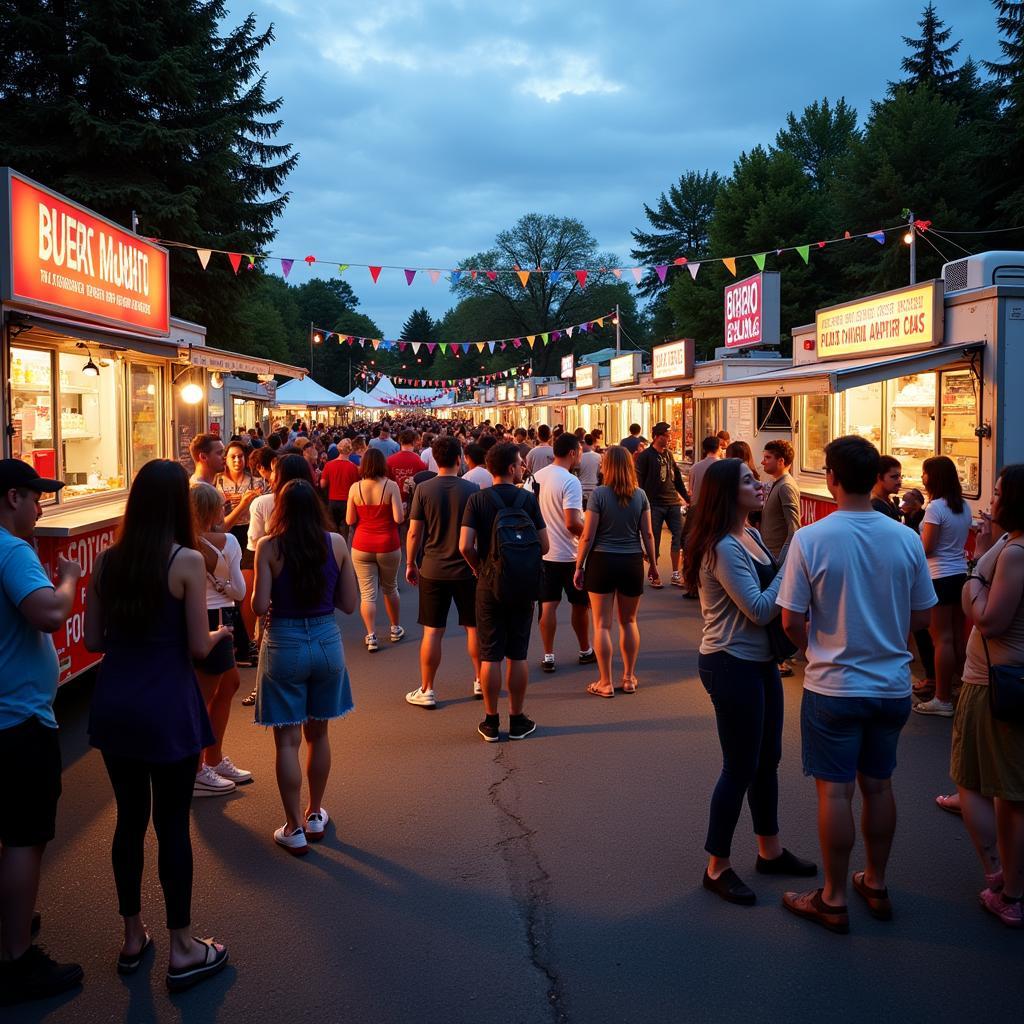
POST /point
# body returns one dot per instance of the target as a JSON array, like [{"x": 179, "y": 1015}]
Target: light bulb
[
  {"x": 908, "y": 238},
  {"x": 191, "y": 394}
]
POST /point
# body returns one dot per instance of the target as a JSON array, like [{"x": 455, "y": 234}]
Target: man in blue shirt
[
  {"x": 385, "y": 442},
  {"x": 30, "y": 609}
]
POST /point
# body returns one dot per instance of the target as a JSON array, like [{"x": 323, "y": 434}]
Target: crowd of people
[{"x": 249, "y": 560}]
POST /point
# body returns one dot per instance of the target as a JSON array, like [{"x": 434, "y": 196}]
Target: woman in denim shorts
[{"x": 303, "y": 572}]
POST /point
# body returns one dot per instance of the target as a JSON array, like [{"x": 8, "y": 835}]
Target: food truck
[
  {"x": 936, "y": 368},
  {"x": 98, "y": 377}
]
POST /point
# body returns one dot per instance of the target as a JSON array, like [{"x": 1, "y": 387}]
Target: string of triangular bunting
[
  {"x": 581, "y": 275},
  {"x": 367, "y": 373},
  {"x": 321, "y": 334}
]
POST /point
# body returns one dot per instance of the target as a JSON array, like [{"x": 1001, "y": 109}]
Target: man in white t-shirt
[
  {"x": 561, "y": 504},
  {"x": 543, "y": 454},
  {"x": 855, "y": 584},
  {"x": 589, "y": 469},
  {"x": 477, "y": 473}
]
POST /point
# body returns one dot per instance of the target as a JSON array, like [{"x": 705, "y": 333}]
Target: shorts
[
  {"x": 948, "y": 588},
  {"x": 222, "y": 658},
  {"x": 241, "y": 534},
  {"x": 29, "y": 753},
  {"x": 988, "y": 755},
  {"x": 672, "y": 517},
  {"x": 301, "y": 673},
  {"x": 556, "y": 577},
  {"x": 436, "y": 598},
  {"x": 608, "y": 572},
  {"x": 842, "y": 736},
  {"x": 502, "y": 631},
  {"x": 377, "y": 572},
  {"x": 337, "y": 510}
]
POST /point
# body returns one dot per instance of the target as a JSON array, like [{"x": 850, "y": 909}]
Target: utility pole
[
  {"x": 913, "y": 247},
  {"x": 618, "y": 330}
]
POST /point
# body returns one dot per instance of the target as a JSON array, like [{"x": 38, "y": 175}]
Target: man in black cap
[
  {"x": 658, "y": 474},
  {"x": 30, "y": 765}
]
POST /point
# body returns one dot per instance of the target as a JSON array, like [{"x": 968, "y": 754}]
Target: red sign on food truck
[{"x": 752, "y": 311}]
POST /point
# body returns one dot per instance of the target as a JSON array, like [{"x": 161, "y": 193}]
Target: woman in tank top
[
  {"x": 303, "y": 572},
  {"x": 375, "y": 509},
  {"x": 146, "y": 611}
]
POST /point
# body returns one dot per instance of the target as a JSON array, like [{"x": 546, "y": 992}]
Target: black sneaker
[
  {"x": 588, "y": 657},
  {"x": 488, "y": 728},
  {"x": 250, "y": 700},
  {"x": 34, "y": 975},
  {"x": 519, "y": 727}
]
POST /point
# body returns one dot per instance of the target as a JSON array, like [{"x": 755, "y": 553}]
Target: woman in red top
[{"x": 374, "y": 508}]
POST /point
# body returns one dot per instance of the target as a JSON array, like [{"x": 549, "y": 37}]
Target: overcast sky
[{"x": 426, "y": 126}]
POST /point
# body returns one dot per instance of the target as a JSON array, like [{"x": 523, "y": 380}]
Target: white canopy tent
[{"x": 307, "y": 394}]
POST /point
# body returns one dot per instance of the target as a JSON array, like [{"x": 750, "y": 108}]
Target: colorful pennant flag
[
  {"x": 235, "y": 259},
  {"x": 375, "y": 273},
  {"x": 618, "y": 274},
  {"x": 204, "y": 256},
  {"x": 805, "y": 252},
  {"x": 286, "y": 267},
  {"x": 662, "y": 271},
  {"x": 581, "y": 276},
  {"x": 638, "y": 272},
  {"x": 730, "y": 264},
  {"x": 524, "y": 277},
  {"x": 555, "y": 276},
  {"x": 410, "y": 276},
  {"x": 456, "y": 276},
  {"x": 759, "y": 260},
  {"x": 878, "y": 236},
  {"x": 434, "y": 275},
  {"x": 693, "y": 268}
]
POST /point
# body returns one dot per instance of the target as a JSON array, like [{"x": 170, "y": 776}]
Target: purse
[{"x": 1005, "y": 683}]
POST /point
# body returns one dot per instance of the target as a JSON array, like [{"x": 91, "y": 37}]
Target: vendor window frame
[
  {"x": 22, "y": 383},
  {"x": 812, "y": 461}
]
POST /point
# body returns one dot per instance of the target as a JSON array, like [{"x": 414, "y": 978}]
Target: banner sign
[
  {"x": 898, "y": 321},
  {"x": 625, "y": 369},
  {"x": 586, "y": 377},
  {"x": 567, "y": 368},
  {"x": 527, "y": 389},
  {"x": 672, "y": 360},
  {"x": 59, "y": 256},
  {"x": 502, "y": 392},
  {"x": 752, "y": 311}
]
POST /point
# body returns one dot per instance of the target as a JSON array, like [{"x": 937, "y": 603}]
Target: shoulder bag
[{"x": 1005, "y": 682}]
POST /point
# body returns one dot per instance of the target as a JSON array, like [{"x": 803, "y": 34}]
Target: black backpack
[{"x": 513, "y": 566}]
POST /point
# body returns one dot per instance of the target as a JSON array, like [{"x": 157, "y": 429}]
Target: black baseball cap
[
  {"x": 660, "y": 428},
  {"x": 15, "y": 473}
]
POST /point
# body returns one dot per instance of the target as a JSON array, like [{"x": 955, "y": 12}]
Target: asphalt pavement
[{"x": 554, "y": 879}]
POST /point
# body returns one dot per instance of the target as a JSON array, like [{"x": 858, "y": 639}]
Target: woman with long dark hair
[
  {"x": 610, "y": 565},
  {"x": 738, "y": 582},
  {"x": 944, "y": 531},
  {"x": 375, "y": 509},
  {"x": 303, "y": 572},
  {"x": 146, "y": 611}
]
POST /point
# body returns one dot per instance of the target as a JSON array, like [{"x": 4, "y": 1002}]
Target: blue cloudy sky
[{"x": 426, "y": 126}]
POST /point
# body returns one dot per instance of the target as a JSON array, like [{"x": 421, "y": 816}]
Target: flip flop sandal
[
  {"x": 130, "y": 964},
  {"x": 945, "y": 803},
  {"x": 592, "y": 689},
  {"x": 835, "y": 919},
  {"x": 879, "y": 905},
  {"x": 629, "y": 686},
  {"x": 181, "y": 978}
]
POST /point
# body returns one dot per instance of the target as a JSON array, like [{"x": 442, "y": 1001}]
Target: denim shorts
[
  {"x": 301, "y": 673},
  {"x": 842, "y": 736}
]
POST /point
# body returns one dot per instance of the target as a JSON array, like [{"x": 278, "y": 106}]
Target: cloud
[{"x": 576, "y": 76}]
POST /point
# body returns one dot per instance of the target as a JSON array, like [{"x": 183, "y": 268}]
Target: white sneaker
[
  {"x": 677, "y": 579},
  {"x": 397, "y": 632},
  {"x": 227, "y": 770},
  {"x": 371, "y": 642},
  {"x": 478, "y": 690},
  {"x": 421, "y": 698},
  {"x": 316, "y": 824},
  {"x": 942, "y": 708},
  {"x": 295, "y": 843},
  {"x": 209, "y": 783}
]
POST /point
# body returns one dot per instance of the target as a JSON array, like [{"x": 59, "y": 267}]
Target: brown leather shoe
[
  {"x": 811, "y": 906},
  {"x": 879, "y": 904}
]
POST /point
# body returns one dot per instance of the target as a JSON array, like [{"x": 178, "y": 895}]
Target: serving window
[
  {"x": 32, "y": 405},
  {"x": 815, "y": 432}
]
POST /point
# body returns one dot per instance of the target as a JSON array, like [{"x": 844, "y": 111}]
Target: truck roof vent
[
  {"x": 983, "y": 271},
  {"x": 954, "y": 276}
]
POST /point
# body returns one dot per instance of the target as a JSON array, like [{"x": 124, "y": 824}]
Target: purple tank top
[{"x": 284, "y": 604}]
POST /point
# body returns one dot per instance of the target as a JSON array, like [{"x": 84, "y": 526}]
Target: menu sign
[
  {"x": 898, "y": 321},
  {"x": 752, "y": 311},
  {"x": 502, "y": 392},
  {"x": 672, "y": 360},
  {"x": 527, "y": 389},
  {"x": 625, "y": 369},
  {"x": 61, "y": 256},
  {"x": 586, "y": 377},
  {"x": 567, "y": 368}
]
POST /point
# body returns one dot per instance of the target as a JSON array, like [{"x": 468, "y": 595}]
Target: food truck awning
[
  {"x": 235, "y": 362},
  {"x": 307, "y": 394},
  {"x": 832, "y": 378}
]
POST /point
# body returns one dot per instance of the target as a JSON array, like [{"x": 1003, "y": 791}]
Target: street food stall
[
  {"x": 307, "y": 400},
  {"x": 669, "y": 393},
  {"x": 98, "y": 377},
  {"x": 934, "y": 368}
]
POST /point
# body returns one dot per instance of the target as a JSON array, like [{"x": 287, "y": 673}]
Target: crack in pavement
[{"x": 530, "y": 885}]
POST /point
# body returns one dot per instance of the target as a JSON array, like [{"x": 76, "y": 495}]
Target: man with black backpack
[{"x": 504, "y": 539}]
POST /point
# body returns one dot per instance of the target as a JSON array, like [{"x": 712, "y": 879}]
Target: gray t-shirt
[
  {"x": 618, "y": 526},
  {"x": 440, "y": 504}
]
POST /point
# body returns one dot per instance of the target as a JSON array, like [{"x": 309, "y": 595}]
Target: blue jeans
[
  {"x": 672, "y": 517},
  {"x": 302, "y": 673},
  {"x": 748, "y": 701}
]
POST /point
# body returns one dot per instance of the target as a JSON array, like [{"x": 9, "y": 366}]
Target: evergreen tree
[
  {"x": 819, "y": 139},
  {"x": 930, "y": 61},
  {"x": 681, "y": 222},
  {"x": 420, "y": 326},
  {"x": 149, "y": 105},
  {"x": 1009, "y": 75}
]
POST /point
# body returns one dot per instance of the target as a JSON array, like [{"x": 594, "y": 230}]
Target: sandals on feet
[
  {"x": 181, "y": 978},
  {"x": 950, "y": 802},
  {"x": 594, "y": 688},
  {"x": 879, "y": 904},
  {"x": 630, "y": 684},
  {"x": 811, "y": 906},
  {"x": 129, "y": 964}
]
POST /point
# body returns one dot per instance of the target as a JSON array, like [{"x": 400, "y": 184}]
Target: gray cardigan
[
  {"x": 780, "y": 517},
  {"x": 735, "y": 608}
]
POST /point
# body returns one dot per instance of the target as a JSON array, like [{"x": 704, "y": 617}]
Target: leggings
[
  {"x": 926, "y": 652},
  {"x": 167, "y": 789},
  {"x": 748, "y": 701}
]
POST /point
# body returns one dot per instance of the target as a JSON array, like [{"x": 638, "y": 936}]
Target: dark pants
[
  {"x": 241, "y": 636},
  {"x": 926, "y": 651},
  {"x": 337, "y": 513},
  {"x": 748, "y": 701},
  {"x": 140, "y": 786},
  {"x": 672, "y": 517}
]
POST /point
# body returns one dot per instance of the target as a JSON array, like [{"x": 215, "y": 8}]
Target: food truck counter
[{"x": 74, "y": 522}]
